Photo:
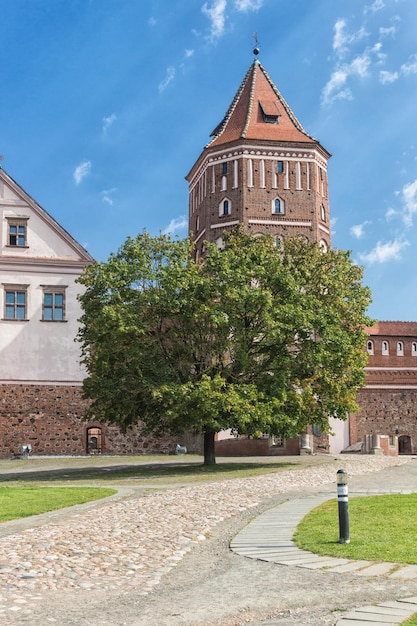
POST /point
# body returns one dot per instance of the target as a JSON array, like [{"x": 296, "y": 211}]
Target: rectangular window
[
  {"x": 17, "y": 234},
  {"x": 280, "y": 167},
  {"x": 224, "y": 168},
  {"x": 53, "y": 309},
  {"x": 15, "y": 304}
]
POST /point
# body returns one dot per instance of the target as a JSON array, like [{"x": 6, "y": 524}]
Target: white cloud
[
  {"x": 106, "y": 195},
  {"x": 170, "y": 75},
  {"x": 175, "y": 224},
  {"x": 339, "y": 39},
  {"x": 411, "y": 67},
  {"x": 358, "y": 230},
  {"x": 384, "y": 32},
  {"x": 409, "y": 198},
  {"x": 377, "y": 5},
  {"x": 342, "y": 39},
  {"x": 384, "y": 252},
  {"x": 81, "y": 171},
  {"x": 386, "y": 78},
  {"x": 152, "y": 21},
  {"x": 188, "y": 53},
  {"x": 248, "y": 5},
  {"x": 335, "y": 88},
  {"x": 217, "y": 16},
  {"x": 108, "y": 121},
  {"x": 390, "y": 213}
]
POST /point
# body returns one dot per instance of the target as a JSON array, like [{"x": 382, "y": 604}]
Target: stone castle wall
[
  {"x": 51, "y": 419},
  {"x": 388, "y": 411}
]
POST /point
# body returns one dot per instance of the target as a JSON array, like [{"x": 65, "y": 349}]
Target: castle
[{"x": 260, "y": 169}]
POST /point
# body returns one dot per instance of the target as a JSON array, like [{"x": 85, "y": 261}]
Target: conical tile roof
[{"x": 259, "y": 112}]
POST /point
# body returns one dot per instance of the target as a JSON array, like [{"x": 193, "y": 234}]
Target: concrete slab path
[{"x": 269, "y": 538}]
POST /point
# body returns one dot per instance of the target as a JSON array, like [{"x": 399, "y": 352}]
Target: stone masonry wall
[
  {"x": 50, "y": 418},
  {"x": 389, "y": 412}
]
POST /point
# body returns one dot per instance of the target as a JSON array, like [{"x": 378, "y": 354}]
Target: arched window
[
  {"x": 370, "y": 347},
  {"x": 278, "y": 206},
  {"x": 414, "y": 348},
  {"x": 219, "y": 243},
  {"x": 400, "y": 348},
  {"x": 224, "y": 183},
  {"x": 225, "y": 207},
  {"x": 323, "y": 213},
  {"x": 385, "y": 348},
  {"x": 323, "y": 245}
]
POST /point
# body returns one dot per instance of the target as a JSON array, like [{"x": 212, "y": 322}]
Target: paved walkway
[
  {"x": 105, "y": 547},
  {"x": 269, "y": 538}
]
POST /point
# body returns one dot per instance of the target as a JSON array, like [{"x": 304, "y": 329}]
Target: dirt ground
[{"x": 212, "y": 586}]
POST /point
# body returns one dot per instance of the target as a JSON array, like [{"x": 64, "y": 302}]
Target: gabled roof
[
  {"x": 259, "y": 111},
  {"x": 61, "y": 245}
]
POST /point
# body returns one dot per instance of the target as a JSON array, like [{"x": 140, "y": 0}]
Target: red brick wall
[{"x": 50, "y": 418}]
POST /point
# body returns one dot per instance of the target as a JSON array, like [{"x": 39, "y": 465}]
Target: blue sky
[{"x": 106, "y": 104}]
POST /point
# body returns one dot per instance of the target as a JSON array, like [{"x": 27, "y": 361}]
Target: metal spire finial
[{"x": 256, "y": 49}]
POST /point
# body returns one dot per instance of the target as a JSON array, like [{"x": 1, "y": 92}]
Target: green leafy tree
[{"x": 254, "y": 337}]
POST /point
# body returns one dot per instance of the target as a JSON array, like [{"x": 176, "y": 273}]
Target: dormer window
[
  {"x": 17, "y": 232},
  {"x": 269, "y": 111}
]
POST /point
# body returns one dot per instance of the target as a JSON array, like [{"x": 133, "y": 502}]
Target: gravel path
[{"x": 103, "y": 563}]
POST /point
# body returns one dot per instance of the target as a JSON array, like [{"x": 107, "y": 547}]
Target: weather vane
[{"x": 256, "y": 48}]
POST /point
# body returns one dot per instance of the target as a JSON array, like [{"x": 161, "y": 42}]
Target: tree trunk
[{"x": 209, "y": 452}]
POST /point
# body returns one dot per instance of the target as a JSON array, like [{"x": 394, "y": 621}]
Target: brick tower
[{"x": 261, "y": 169}]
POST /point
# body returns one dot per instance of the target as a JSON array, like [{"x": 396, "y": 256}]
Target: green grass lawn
[
  {"x": 17, "y": 502},
  {"x": 382, "y": 528},
  {"x": 411, "y": 621}
]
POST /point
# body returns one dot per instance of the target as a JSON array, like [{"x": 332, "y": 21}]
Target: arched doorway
[
  {"x": 404, "y": 444},
  {"x": 94, "y": 440}
]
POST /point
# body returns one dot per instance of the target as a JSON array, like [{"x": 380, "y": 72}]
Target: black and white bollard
[{"x": 343, "y": 505}]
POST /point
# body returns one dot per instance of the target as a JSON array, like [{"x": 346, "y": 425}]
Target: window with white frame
[
  {"x": 370, "y": 346},
  {"x": 53, "y": 304},
  {"x": 414, "y": 348},
  {"x": 400, "y": 348},
  {"x": 15, "y": 302},
  {"x": 323, "y": 245},
  {"x": 278, "y": 206},
  {"x": 225, "y": 207},
  {"x": 385, "y": 348}
]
